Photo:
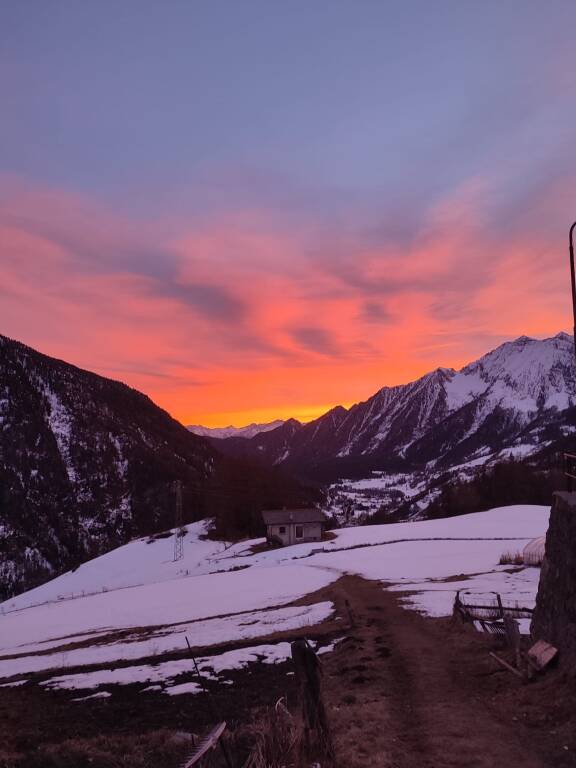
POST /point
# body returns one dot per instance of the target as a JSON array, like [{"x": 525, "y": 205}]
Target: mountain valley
[
  {"x": 516, "y": 402},
  {"x": 89, "y": 463}
]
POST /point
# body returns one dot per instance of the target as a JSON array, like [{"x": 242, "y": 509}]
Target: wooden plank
[
  {"x": 512, "y": 632},
  {"x": 507, "y": 666},
  {"x": 204, "y": 746},
  {"x": 542, "y": 653},
  {"x": 494, "y": 607}
]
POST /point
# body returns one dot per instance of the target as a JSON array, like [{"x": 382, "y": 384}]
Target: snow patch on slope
[{"x": 60, "y": 422}]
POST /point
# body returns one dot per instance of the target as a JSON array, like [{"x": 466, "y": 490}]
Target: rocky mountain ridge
[{"x": 506, "y": 400}]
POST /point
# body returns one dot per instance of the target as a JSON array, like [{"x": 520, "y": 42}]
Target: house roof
[{"x": 281, "y": 516}]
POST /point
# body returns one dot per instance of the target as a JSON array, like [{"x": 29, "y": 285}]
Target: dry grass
[
  {"x": 534, "y": 559},
  {"x": 279, "y": 740},
  {"x": 511, "y": 558},
  {"x": 276, "y": 740},
  {"x": 163, "y": 747}
]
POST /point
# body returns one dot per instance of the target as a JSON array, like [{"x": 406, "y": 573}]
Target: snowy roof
[{"x": 279, "y": 516}]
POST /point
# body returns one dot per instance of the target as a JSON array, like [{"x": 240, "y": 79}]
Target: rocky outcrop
[{"x": 555, "y": 615}]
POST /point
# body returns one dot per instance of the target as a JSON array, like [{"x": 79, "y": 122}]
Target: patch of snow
[
  {"x": 98, "y": 695},
  {"x": 121, "y": 462},
  {"x": 463, "y": 387},
  {"x": 170, "y": 639},
  {"x": 60, "y": 422},
  {"x": 176, "y": 690},
  {"x": 210, "y": 667},
  {"x": 140, "y": 561},
  {"x": 166, "y": 602},
  {"x": 437, "y": 598},
  {"x": 330, "y": 647},
  {"x": 14, "y": 684}
]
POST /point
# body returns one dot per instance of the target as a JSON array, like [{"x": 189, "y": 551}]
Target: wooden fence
[{"x": 489, "y": 611}]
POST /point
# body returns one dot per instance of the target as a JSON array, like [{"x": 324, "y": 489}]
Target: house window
[
  {"x": 282, "y": 529},
  {"x": 299, "y": 532}
]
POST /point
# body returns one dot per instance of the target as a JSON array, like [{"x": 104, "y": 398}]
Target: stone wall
[{"x": 554, "y": 619}]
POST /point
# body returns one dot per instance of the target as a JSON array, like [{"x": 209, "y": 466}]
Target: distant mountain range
[
  {"x": 86, "y": 463},
  {"x": 511, "y": 402},
  {"x": 222, "y": 432}
]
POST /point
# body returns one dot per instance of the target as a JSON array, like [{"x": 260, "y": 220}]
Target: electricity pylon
[{"x": 178, "y": 533}]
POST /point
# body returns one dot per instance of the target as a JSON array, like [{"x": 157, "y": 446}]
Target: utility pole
[
  {"x": 573, "y": 276},
  {"x": 178, "y": 537}
]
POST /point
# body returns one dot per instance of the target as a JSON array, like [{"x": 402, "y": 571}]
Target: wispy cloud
[
  {"x": 315, "y": 339},
  {"x": 244, "y": 314}
]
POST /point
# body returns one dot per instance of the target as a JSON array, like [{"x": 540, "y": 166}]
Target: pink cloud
[{"x": 240, "y": 315}]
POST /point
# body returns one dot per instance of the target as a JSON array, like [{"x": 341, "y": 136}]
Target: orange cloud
[{"x": 241, "y": 318}]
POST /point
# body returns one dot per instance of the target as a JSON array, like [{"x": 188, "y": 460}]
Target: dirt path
[{"x": 404, "y": 691}]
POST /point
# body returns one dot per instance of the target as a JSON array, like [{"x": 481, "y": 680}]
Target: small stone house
[{"x": 294, "y": 526}]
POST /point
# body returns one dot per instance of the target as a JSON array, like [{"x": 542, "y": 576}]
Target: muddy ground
[{"x": 401, "y": 691}]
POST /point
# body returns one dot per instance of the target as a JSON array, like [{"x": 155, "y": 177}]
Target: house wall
[
  {"x": 310, "y": 531},
  {"x": 274, "y": 531}
]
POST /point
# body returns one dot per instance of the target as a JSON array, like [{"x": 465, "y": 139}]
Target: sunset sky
[{"x": 262, "y": 208}]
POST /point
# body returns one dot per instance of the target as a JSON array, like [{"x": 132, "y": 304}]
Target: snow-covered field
[{"x": 134, "y": 604}]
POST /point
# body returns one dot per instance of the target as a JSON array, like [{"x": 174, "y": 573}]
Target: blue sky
[{"x": 145, "y": 103}]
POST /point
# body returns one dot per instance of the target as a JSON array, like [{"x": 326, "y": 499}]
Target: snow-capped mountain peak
[
  {"x": 502, "y": 402},
  {"x": 528, "y": 374},
  {"x": 250, "y": 430}
]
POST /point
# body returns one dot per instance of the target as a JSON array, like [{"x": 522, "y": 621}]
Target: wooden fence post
[
  {"x": 500, "y": 606},
  {"x": 308, "y": 673},
  {"x": 350, "y": 612}
]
